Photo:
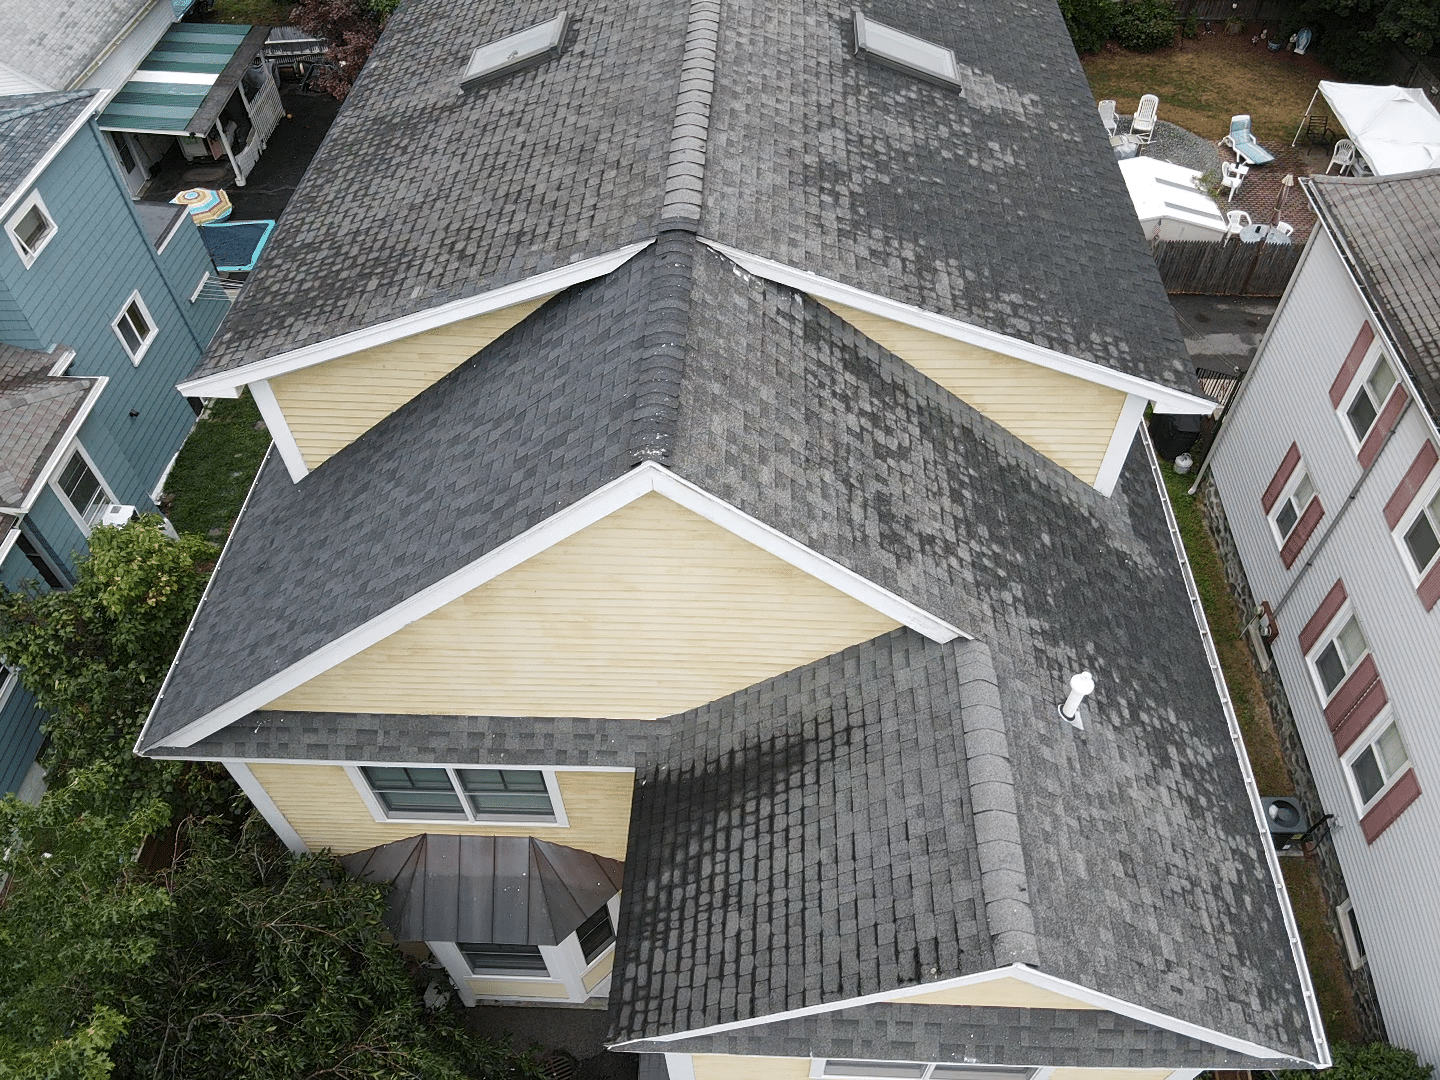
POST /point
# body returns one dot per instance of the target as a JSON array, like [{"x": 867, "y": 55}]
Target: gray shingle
[
  {"x": 36, "y": 409},
  {"x": 30, "y": 124},
  {"x": 58, "y": 44}
]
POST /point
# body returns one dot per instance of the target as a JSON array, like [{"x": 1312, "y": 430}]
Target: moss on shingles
[{"x": 207, "y": 486}]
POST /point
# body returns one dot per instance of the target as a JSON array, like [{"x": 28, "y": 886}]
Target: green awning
[{"x": 180, "y": 88}]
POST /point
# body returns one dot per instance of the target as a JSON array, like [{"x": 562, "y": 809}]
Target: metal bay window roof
[{"x": 180, "y": 88}]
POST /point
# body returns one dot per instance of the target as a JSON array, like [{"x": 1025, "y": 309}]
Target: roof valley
[{"x": 685, "y": 169}]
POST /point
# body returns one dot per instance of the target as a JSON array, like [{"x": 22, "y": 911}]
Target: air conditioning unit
[{"x": 118, "y": 514}]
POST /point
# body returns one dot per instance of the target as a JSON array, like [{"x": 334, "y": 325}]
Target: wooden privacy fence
[{"x": 1227, "y": 268}]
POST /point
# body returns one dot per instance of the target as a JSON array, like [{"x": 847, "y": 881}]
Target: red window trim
[
  {"x": 1352, "y": 363},
  {"x": 1391, "y": 805},
  {"x": 1410, "y": 486},
  {"x": 1333, "y": 602},
  {"x": 1353, "y": 724},
  {"x": 1295, "y": 542},
  {"x": 1384, "y": 424},
  {"x": 1281, "y": 478},
  {"x": 1429, "y": 588}
]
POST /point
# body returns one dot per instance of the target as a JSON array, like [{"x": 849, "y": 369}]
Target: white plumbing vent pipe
[{"x": 1081, "y": 687}]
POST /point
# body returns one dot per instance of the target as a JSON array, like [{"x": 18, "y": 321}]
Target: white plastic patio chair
[
  {"x": 1142, "y": 125},
  {"x": 1231, "y": 177},
  {"x": 1235, "y": 220},
  {"x": 1344, "y": 156},
  {"x": 1107, "y": 116},
  {"x": 1285, "y": 229}
]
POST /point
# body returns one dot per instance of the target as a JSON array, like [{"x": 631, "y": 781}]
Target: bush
[
  {"x": 1373, "y": 1061},
  {"x": 1090, "y": 22},
  {"x": 1145, "y": 25}
]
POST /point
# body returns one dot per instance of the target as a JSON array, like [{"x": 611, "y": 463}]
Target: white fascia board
[
  {"x": 61, "y": 141},
  {"x": 242, "y": 775},
  {"x": 1131, "y": 414},
  {"x": 1165, "y": 398},
  {"x": 66, "y": 443},
  {"x": 1020, "y": 972},
  {"x": 7, "y": 544},
  {"x": 644, "y": 478},
  {"x": 279, "y": 428},
  {"x": 228, "y": 383}
]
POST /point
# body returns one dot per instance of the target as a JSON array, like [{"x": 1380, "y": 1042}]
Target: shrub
[
  {"x": 1373, "y": 1061},
  {"x": 1145, "y": 25},
  {"x": 1090, "y": 22}
]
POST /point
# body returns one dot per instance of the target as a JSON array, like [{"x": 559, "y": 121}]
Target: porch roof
[{"x": 180, "y": 88}]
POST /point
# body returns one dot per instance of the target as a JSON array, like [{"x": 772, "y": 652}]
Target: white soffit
[
  {"x": 641, "y": 480},
  {"x": 229, "y": 383},
  {"x": 1165, "y": 398}
]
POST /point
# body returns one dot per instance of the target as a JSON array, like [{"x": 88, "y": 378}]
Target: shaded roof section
[
  {"x": 1075, "y": 1038},
  {"x": 1000, "y": 206},
  {"x": 36, "y": 409},
  {"x": 30, "y": 124},
  {"x": 58, "y": 43},
  {"x": 510, "y": 890},
  {"x": 1389, "y": 233}
]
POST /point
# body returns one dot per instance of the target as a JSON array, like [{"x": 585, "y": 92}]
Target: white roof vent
[
  {"x": 1081, "y": 687},
  {"x": 519, "y": 50},
  {"x": 905, "y": 52}
]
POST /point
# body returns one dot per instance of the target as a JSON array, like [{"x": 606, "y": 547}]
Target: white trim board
[
  {"x": 279, "y": 428},
  {"x": 641, "y": 480},
  {"x": 274, "y": 817},
  {"x": 1021, "y": 972},
  {"x": 228, "y": 383},
  {"x": 1132, "y": 413},
  {"x": 1166, "y": 399}
]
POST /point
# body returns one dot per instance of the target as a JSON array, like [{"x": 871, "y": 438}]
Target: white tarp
[
  {"x": 1169, "y": 203},
  {"x": 1395, "y": 128}
]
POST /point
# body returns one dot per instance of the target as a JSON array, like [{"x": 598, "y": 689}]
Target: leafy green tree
[
  {"x": 1358, "y": 37},
  {"x": 1145, "y": 25}
]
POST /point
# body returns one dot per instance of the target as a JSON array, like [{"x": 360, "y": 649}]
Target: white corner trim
[
  {"x": 453, "y": 961},
  {"x": 62, "y": 448},
  {"x": 170, "y": 233},
  {"x": 1237, "y": 740},
  {"x": 272, "y": 814},
  {"x": 604, "y": 501},
  {"x": 680, "y": 1066},
  {"x": 519, "y": 292},
  {"x": 280, "y": 431},
  {"x": 1165, "y": 398},
  {"x": 1131, "y": 414},
  {"x": 62, "y": 140}
]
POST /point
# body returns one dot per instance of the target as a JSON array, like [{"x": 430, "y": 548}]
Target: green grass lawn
[
  {"x": 257, "y": 12},
  {"x": 208, "y": 484}
]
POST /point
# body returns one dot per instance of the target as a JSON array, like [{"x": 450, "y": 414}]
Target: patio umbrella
[
  {"x": 205, "y": 205},
  {"x": 1285, "y": 186}
]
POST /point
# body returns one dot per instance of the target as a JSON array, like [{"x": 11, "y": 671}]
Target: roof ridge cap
[
  {"x": 53, "y": 99},
  {"x": 1004, "y": 884},
  {"x": 689, "y": 134}
]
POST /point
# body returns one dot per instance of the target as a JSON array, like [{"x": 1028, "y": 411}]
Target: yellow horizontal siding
[
  {"x": 322, "y": 805},
  {"x": 516, "y": 988},
  {"x": 1003, "y": 993},
  {"x": 650, "y": 611},
  {"x": 732, "y": 1067},
  {"x": 596, "y": 974},
  {"x": 1068, "y": 419},
  {"x": 328, "y": 406}
]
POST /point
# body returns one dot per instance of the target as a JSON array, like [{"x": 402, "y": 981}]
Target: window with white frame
[
  {"x": 1295, "y": 497},
  {"x": 1350, "y": 932},
  {"x": 1420, "y": 533},
  {"x": 914, "y": 1070},
  {"x": 83, "y": 489},
  {"x": 31, "y": 227},
  {"x": 1338, "y": 654},
  {"x": 134, "y": 327},
  {"x": 494, "y": 958},
  {"x": 1376, "y": 761},
  {"x": 429, "y": 793},
  {"x": 1369, "y": 397}
]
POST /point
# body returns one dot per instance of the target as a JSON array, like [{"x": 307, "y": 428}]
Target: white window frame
[
  {"x": 135, "y": 299},
  {"x": 9, "y": 679},
  {"x": 71, "y": 508},
  {"x": 1332, "y": 631},
  {"x": 1412, "y": 513},
  {"x": 818, "y": 1067},
  {"x": 380, "y": 813},
  {"x": 1359, "y": 385},
  {"x": 33, "y": 200},
  {"x": 1368, "y": 738},
  {"x": 1298, "y": 475},
  {"x": 1347, "y": 935}
]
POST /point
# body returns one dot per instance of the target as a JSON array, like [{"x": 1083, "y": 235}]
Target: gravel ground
[{"x": 1179, "y": 147}]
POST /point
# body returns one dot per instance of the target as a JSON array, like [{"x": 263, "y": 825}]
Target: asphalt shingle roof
[
  {"x": 59, "y": 43},
  {"x": 29, "y": 126},
  {"x": 35, "y": 411},
  {"x": 1390, "y": 229}
]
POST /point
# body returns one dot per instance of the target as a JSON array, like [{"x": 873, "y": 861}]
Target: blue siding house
[{"x": 105, "y": 305}]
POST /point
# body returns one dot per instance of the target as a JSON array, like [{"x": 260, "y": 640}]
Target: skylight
[
  {"x": 905, "y": 52},
  {"x": 519, "y": 50}
]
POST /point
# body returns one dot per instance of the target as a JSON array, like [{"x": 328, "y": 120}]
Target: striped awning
[{"x": 180, "y": 88}]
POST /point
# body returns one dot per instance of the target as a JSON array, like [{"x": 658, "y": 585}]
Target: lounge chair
[
  {"x": 1107, "y": 116},
  {"x": 1242, "y": 140},
  {"x": 1142, "y": 125}
]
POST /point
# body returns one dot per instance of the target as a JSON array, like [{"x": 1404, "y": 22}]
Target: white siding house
[{"x": 1327, "y": 471}]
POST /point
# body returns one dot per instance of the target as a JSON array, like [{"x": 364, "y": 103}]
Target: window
[
  {"x": 1285, "y": 515},
  {"x": 1370, "y": 397},
  {"x": 431, "y": 793},
  {"x": 1350, "y": 932},
  {"x": 514, "y": 52},
  {"x": 1376, "y": 761},
  {"x": 31, "y": 227},
  {"x": 490, "y": 958},
  {"x": 134, "y": 327},
  {"x": 916, "y": 1070},
  {"x": 83, "y": 490},
  {"x": 47, "y": 572},
  {"x": 1340, "y": 654},
  {"x": 905, "y": 52},
  {"x": 1422, "y": 538},
  {"x": 596, "y": 934}
]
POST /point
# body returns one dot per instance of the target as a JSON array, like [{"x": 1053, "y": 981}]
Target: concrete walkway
[{"x": 1223, "y": 332}]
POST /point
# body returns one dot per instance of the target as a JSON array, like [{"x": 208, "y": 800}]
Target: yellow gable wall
[
  {"x": 322, "y": 805},
  {"x": 1004, "y": 993},
  {"x": 1067, "y": 419},
  {"x": 330, "y": 405},
  {"x": 729, "y": 1067},
  {"x": 650, "y": 611}
]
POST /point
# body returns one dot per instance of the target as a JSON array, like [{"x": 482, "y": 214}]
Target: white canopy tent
[
  {"x": 1394, "y": 128},
  {"x": 1169, "y": 202}
]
